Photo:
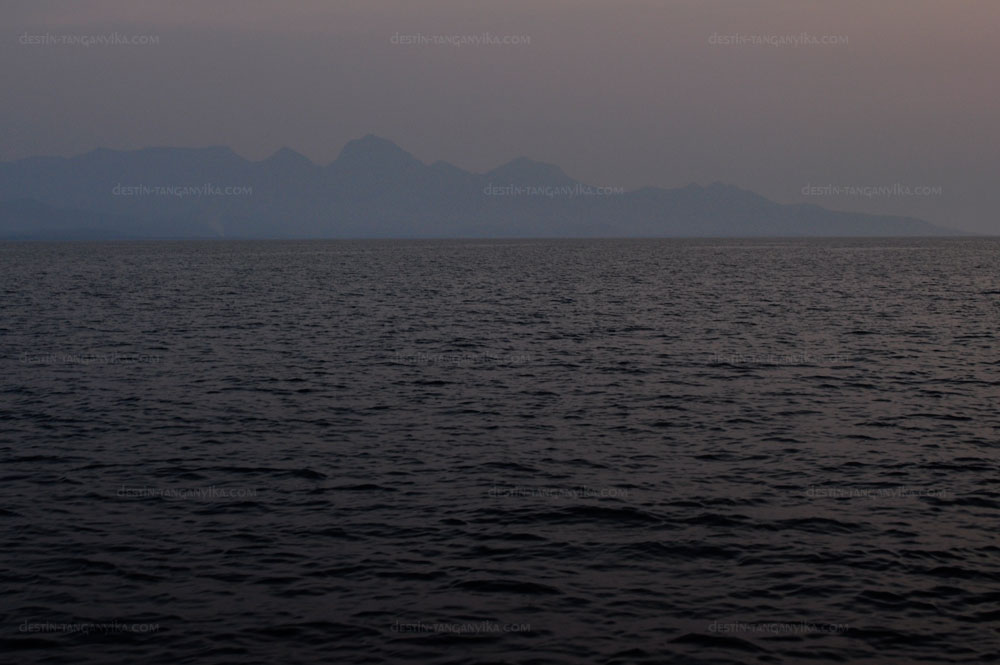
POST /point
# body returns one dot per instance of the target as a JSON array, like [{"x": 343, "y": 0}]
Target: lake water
[{"x": 660, "y": 451}]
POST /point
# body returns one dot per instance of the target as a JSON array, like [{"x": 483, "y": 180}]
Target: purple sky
[{"x": 621, "y": 93}]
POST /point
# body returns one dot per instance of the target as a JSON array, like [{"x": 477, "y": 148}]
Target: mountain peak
[
  {"x": 373, "y": 151},
  {"x": 288, "y": 157}
]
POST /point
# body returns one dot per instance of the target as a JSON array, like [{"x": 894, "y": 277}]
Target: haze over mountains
[{"x": 375, "y": 189}]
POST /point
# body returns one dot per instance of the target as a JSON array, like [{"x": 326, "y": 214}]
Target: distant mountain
[
  {"x": 27, "y": 219},
  {"x": 375, "y": 189}
]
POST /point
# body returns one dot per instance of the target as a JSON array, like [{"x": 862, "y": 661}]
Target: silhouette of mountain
[
  {"x": 527, "y": 172},
  {"x": 374, "y": 153},
  {"x": 286, "y": 158},
  {"x": 27, "y": 219},
  {"x": 375, "y": 189}
]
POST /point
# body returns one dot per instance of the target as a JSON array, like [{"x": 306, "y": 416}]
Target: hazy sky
[{"x": 619, "y": 92}]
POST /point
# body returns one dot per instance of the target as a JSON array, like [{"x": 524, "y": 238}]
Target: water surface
[{"x": 691, "y": 451}]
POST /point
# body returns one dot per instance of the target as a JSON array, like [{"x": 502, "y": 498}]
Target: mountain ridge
[{"x": 375, "y": 188}]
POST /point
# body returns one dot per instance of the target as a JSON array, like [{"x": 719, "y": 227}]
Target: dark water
[{"x": 519, "y": 452}]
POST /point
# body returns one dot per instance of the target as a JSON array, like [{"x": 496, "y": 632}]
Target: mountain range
[{"x": 375, "y": 189}]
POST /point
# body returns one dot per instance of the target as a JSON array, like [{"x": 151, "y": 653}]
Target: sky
[{"x": 887, "y": 106}]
